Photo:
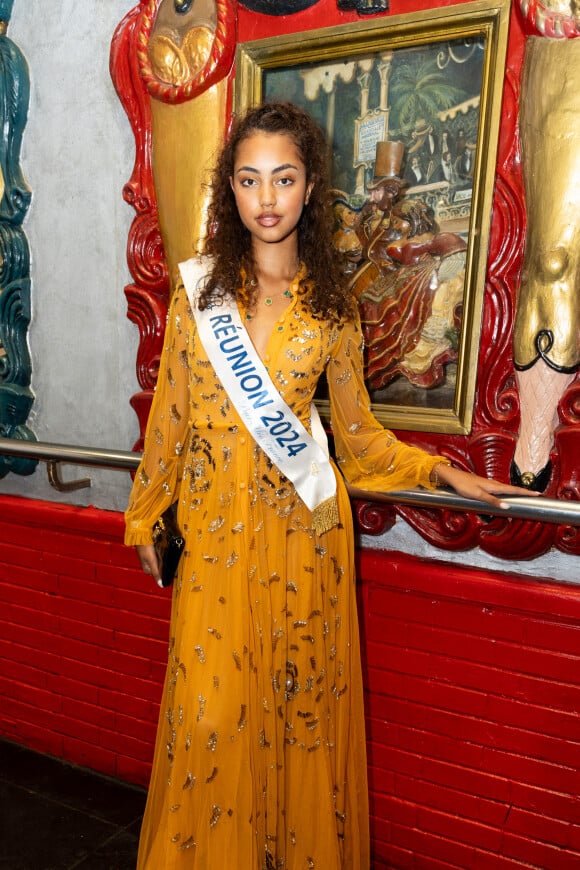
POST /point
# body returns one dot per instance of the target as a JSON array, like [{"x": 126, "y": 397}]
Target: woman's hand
[
  {"x": 476, "y": 487},
  {"x": 149, "y": 561}
]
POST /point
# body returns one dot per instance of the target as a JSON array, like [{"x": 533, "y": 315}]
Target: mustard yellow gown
[{"x": 260, "y": 755}]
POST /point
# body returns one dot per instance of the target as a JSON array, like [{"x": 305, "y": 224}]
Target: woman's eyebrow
[{"x": 282, "y": 168}]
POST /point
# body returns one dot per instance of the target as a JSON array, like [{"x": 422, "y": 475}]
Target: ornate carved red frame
[{"x": 489, "y": 448}]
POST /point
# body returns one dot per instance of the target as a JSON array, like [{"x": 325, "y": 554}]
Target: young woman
[{"x": 260, "y": 755}]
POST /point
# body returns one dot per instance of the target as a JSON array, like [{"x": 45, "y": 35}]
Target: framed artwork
[{"x": 411, "y": 107}]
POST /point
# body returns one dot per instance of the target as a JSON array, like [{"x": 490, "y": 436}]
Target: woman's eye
[
  {"x": 247, "y": 182},
  {"x": 285, "y": 181}
]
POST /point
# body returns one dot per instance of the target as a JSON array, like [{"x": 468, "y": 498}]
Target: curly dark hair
[{"x": 229, "y": 241}]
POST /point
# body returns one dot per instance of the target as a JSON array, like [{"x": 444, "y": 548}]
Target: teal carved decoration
[
  {"x": 6, "y": 10},
  {"x": 16, "y": 397}
]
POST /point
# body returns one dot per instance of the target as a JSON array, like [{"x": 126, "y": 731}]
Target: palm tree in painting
[{"x": 419, "y": 89}]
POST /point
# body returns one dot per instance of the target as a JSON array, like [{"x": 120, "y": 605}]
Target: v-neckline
[{"x": 275, "y": 329}]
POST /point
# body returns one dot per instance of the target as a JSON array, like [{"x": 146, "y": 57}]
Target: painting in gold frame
[{"x": 432, "y": 82}]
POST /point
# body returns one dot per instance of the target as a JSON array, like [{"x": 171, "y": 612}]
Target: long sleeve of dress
[
  {"x": 370, "y": 456},
  {"x": 157, "y": 477}
]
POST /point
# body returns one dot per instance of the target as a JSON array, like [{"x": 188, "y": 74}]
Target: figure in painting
[
  {"x": 345, "y": 238},
  {"x": 384, "y": 190},
  {"x": 425, "y": 146},
  {"x": 444, "y": 169},
  {"x": 414, "y": 173},
  {"x": 409, "y": 280}
]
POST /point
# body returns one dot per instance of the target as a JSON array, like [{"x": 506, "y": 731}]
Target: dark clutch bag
[{"x": 169, "y": 543}]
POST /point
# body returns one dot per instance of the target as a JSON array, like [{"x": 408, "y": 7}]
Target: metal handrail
[
  {"x": 55, "y": 455},
  {"x": 124, "y": 460},
  {"x": 529, "y": 508}
]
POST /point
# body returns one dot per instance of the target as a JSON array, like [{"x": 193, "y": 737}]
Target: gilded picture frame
[{"x": 431, "y": 81}]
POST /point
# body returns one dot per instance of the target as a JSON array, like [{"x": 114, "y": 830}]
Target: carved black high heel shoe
[{"x": 534, "y": 482}]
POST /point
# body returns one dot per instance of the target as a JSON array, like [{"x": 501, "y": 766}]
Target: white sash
[{"x": 268, "y": 418}]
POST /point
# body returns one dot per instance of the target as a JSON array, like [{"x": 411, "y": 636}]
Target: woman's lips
[{"x": 268, "y": 219}]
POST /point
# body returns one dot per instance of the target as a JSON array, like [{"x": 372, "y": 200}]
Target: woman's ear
[{"x": 308, "y": 192}]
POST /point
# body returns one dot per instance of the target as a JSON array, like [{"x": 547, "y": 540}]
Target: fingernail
[
  {"x": 159, "y": 583},
  {"x": 504, "y": 505}
]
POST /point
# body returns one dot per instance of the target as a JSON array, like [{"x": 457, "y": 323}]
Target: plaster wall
[{"x": 77, "y": 154}]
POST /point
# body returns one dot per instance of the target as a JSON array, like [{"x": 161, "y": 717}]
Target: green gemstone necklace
[{"x": 268, "y": 300}]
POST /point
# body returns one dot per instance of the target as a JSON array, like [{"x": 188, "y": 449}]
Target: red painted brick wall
[
  {"x": 473, "y": 716},
  {"x": 83, "y": 638},
  {"x": 473, "y": 687}
]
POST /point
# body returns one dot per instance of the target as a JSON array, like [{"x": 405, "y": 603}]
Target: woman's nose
[{"x": 267, "y": 195}]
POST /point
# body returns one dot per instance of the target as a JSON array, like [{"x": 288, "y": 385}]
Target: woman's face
[{"x": 269, "y": 185}]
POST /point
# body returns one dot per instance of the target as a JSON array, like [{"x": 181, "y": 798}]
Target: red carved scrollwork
[
  {"x": 147, "y": 295},
  {"x": 374, "y": 518}
]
